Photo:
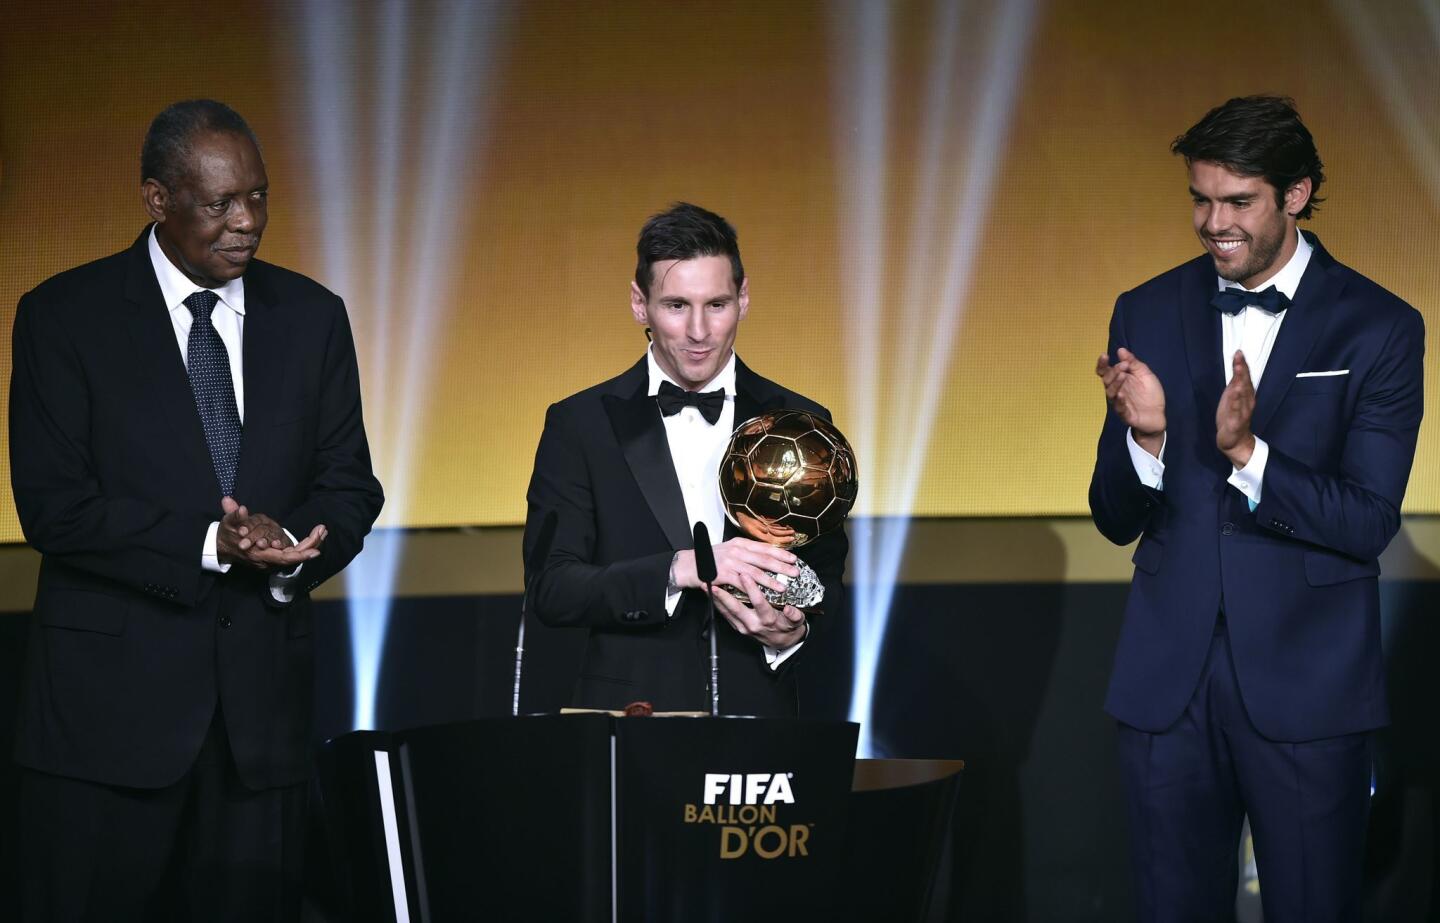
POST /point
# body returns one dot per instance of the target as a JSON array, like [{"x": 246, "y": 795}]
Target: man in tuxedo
[
  {"x": 1264, "y": 403},
  {"x": 179, "y": 413},
  {"x": 628, "y": 466}
]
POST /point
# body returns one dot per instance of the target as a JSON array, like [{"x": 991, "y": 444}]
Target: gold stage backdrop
[{"x": 937, "y": 203}]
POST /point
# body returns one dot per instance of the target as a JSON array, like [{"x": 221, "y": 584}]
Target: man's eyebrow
[{"x": 1238, "y": 197}]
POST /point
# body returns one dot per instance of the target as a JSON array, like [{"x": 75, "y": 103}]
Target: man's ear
[
  {"x": 637, "y": 304},
  {"x": 1297, "y": 196},
  {"x": 156, "y": 198},
  {"x": 744, "y": 300}
]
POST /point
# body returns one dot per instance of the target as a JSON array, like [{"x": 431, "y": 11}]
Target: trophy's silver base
[{"x": 802, "y": 591}]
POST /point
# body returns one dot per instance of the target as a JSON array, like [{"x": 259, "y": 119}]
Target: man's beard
[{"x": 1263, "y": 251}]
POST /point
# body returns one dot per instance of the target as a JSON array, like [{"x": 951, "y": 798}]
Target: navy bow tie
[
  {"x": 1234, "y": 300},
  {"x": 672, "y": 400}
]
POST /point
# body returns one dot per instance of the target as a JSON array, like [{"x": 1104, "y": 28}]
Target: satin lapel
[
  {"x": 641, "y": 433},
  {"x": 263, "y": 346},
  {"x": 1201, "y": 324},
  {"x": 152, "y": 336},
  {"x": 1306, "y": 317},
  {"x": 751, "y": 399},
  {"x": 749, "y": 404}
]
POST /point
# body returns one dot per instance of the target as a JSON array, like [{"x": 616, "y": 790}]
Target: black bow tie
[
  {"x": 1235, "y": 300},
  {"x": 672, "y": 400}
]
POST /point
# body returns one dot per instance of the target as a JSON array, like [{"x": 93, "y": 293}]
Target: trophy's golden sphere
[{"x": 788, "y": 477}]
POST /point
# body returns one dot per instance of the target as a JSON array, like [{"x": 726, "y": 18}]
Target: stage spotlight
[
  {"x": 963, "y": 126},
  {"x": 393, "y": 195}
]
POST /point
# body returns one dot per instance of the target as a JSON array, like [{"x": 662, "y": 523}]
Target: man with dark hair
[
  {"x": 1264, "y": 402},
  {"x": 629, "y": 465},
  {"x": 161, "y": 398}
]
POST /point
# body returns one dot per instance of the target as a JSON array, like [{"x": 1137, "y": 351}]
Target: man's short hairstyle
[
  {"x": 165, "y": 155},
  {"x": 1258, "y": 136},
  {"x": 684, "y": 232}
]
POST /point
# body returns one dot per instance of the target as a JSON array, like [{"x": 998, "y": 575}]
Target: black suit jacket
[
  {"x": 604, "y": 467},
  {"x": 133, "y": 642}
]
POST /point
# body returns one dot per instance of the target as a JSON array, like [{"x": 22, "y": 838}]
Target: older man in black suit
[{"x": 180, "y": 412}]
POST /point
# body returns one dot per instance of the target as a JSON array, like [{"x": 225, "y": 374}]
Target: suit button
[
  {"x": 1227, "y": 529},
  {"x": 224, "y": 621},
  {"x": 640, "y": 615}
]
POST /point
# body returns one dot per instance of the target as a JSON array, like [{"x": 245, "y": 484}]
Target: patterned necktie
[
  {"x": 672, "y": 400},
  {"x": 208, "y": 365},
  {"x": 1231, "y": 300}
]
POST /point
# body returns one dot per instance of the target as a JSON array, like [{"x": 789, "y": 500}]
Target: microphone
[
  {"x": 544, "y": 538},
  {"x": 704, "y": 555},
  {"x": 706, "y": 571}
]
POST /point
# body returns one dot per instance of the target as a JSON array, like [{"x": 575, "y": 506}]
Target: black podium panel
[
  {"x": 512, "y": 818},
  {"x": 589, "y": 818},
  {"x": 731, "y": 818}
]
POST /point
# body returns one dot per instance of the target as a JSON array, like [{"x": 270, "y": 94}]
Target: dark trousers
[
  {"x": 1189, "y": 788},
  {"x": 206, "y": 848}
]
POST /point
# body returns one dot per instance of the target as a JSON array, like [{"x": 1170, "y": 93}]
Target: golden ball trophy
[{"x": 787, "y": 478}]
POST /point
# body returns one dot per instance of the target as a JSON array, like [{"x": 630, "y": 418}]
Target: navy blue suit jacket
[{"x": 1296, "y": 578}]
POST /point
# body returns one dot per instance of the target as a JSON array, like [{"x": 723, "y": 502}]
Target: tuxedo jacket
[
  {"x": 1295, "y": 578},
  {"x": 604, "y": 467},
  {"x": 133, "y": 643}
]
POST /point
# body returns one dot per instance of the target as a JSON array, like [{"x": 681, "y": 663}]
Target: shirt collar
[
  {"x": 175, "y": 286},
  {"x": 1287, "y": 280},
  {"x": 724, "y": 379}
]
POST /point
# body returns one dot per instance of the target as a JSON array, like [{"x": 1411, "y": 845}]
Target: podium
[{"x": 594, "y": 818}]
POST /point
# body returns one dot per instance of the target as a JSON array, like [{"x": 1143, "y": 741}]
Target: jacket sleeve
[
  {"x": 567, "y": 588},
  {"x": 64, "y": 508},
  {"x": 1120, "y": 505},
  {"x": 343, "y": 492},
  {"x": 1356, "y": 510}
]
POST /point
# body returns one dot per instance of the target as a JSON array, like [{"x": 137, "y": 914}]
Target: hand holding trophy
[{"x": 788, "y": 477}]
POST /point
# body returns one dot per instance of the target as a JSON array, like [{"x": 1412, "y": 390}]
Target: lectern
[{"x": 592, "y": 818}]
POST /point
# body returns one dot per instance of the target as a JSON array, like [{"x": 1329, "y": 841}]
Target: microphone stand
[
  {"x": 545, "y": 538},
  {"x": 706, "y": 571}
]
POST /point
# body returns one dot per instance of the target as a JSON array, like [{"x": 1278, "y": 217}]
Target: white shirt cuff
[
  {"x": 1148, "y": 468},
  {"x": 671, "y": 601},
  {"x": 776, "y": 656},
  {"x": 1250, "y": 479},
  {"x": 210, "y": 554},
  {"x": 282, "y": 586}
]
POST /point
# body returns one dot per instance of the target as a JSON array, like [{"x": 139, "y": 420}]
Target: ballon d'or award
[{"x": 788, "y": 477}]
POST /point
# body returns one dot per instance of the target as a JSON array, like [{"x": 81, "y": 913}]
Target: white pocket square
[{"x": 1330, "y": 374}]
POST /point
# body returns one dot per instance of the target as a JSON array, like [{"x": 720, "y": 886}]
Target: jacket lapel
[
  {"x": 1201, "y": 324},
  {"x": 263, "y": 345},
  {"x": 640, "y": 430},
  {"x": 1307, "y": 316},
  {"x": 152, "y": 335},
  {"x": 752, "y": 398}
]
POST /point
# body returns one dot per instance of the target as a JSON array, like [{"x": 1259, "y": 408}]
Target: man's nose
[
  {"x": 242, "y": 216},
  {"x": 1217, "y": 220},
  {"x": 697, "y": 325}
]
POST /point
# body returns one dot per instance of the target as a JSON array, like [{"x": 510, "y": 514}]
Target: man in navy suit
[
  {"x": 180, "y": 414},
  {"x": 1264, "y": 403}
]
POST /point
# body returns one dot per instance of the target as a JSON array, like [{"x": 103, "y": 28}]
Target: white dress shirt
[
  {"x": 1253, "y": 332},
  {"x": 696, "y": 449},
  {"x": 228, "y": 319}
]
